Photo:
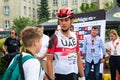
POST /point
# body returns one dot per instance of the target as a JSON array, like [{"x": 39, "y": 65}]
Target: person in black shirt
[{"x": 11, "y": 45}]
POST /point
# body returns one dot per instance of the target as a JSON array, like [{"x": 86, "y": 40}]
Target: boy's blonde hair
[{"x": 29, "y": 34}]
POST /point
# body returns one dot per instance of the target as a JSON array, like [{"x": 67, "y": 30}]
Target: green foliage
[
  {"x": 115, "y": 1},
  {"x": 21, "y": 22},
  {"x": 108, "y": 5},
  {"x": 43, "y": 12},
  {"x": 3, "y": 66},
  {"x": 118, "y": 31},
  {"x": 85, "y": 7},
  {"x": 22, "y": 46},
  {"x": 1, "y": 44},
  {"x": 53, "y": 15},
  {"x": 93, "y": 7},
  {"x": 31, "y": 22},
  {"x": 42, "y": 20},
  {"x": 107, "y": 33}
]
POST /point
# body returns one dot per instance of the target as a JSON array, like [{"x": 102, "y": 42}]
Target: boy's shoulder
[{"x": 13, "y": 71}]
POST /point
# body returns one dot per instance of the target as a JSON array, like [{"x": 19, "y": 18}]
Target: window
[
  {"x": 55, "y": 2},
  {"x": 29, "y": 1},
  {"x": 25, "y": 10},
  {"x": 84, "y": 1},
  {"x": 74, "y": 10},
  {"x": 64, "y": 1},
  {"x": 5, "y": 0},
  {"x": 7, "y": 24},
  {"x": 33, "y": 1},
  {"x": 54, "y": 13},
  {"x": 37, "y": 1},
  {"x": 94, "y": 0},
  {"x": 6, "y": 10},
  {"x": 33, "y": 12},
  {"x": 29, "y": 11},
  {"x": 74, "y": 1}
]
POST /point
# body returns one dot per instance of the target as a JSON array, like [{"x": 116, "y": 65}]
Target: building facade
[
  {"x": 11, "y": 9},
  {"x": 54, "y": 5}
]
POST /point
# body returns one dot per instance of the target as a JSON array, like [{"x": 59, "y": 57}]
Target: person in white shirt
[
  {"x": 113, "y": 50},
  {"x": 42, "y": 53}
]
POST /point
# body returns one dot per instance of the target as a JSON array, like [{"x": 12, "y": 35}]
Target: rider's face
[{"x": 65, "y": 23}]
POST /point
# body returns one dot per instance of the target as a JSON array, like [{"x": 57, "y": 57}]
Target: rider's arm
[
  {"x": 50, "y": 54},
  {"x": 49, "y": 66},
  {"x": 80, "y": 65}
]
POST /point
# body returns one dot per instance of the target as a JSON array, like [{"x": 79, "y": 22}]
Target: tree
[
  {"x": 53, "y": 15},
  {"x": 85, "y": 7},
  {"x": 21, "y": 22},
  {"x": 93, "y": 7},
  {"x": 43, "y": 12},
  {"x": 108, "y": 5}
]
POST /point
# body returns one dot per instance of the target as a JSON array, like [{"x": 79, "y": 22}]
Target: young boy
[{"x": 31, "y": 38}]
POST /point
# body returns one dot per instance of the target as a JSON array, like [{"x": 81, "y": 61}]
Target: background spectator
[
  {"x": 92, "y": 52},
  {"x": 113, "y": 50},
  {"x": 11, "y": 46}
]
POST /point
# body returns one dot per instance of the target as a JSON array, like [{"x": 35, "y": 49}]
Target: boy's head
[
  {"x": 65, "y": 18},
  {"x": 31, "y": 38}
]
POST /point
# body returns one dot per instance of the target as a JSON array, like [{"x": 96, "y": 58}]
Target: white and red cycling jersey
[{"x": 65, "y": 53}]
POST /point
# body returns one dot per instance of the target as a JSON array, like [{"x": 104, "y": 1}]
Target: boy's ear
[{"x": 34, "y": 42}]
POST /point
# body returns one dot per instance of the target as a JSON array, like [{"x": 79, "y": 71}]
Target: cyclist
[{"x": 64, "y": 48}]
